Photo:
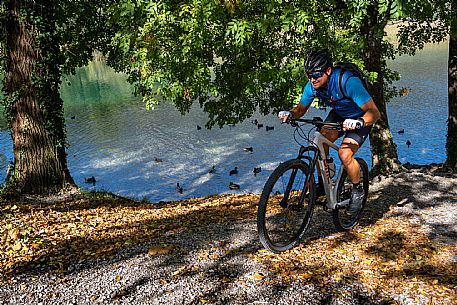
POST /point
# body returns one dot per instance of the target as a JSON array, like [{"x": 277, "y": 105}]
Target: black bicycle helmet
[{"x": 318, "y": 60}]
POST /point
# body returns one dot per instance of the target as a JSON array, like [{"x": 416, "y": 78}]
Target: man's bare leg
[{"x": 347, "y": 150}]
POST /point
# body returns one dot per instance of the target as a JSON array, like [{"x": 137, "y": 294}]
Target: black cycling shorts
[{"x": 358, "y": 135}]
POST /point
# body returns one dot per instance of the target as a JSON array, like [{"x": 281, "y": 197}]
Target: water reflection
[
  {"x": 112, "y": 137},
  {"x": 423, "y": 112}
]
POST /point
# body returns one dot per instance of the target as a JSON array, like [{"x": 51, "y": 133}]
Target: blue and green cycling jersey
[{"x": 332, "y": 96}]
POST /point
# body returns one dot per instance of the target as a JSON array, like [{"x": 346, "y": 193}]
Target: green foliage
[
  {"x": 234, "y": 57},
  {"x": 65, "y": 33},
  {"x": 425, "y": 22}
]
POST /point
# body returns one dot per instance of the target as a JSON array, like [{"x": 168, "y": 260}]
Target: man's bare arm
[
  {"x": 372, "y": 113},
  {"x": 299, "y": 110}
]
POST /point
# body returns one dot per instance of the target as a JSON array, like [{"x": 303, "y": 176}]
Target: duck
[
  {"x": 402, "y": 131},
  {"x": 259, "y": 126},
  {"x": 256, "y": 170},
  {"x": 212, "y": 170},
  {"x": 199, "y": 127},
  {"x": 248, "y": 149},
  {"x": 234, "y": 171},
  {"x": 255, "y": 122},
  {"x": 268, "y": 128},
  {"x": 179, "y": 188},
  {"x": 90, "y": 180},
  {"x": 408, "y": 143},
  {"x": 73, "y": 117},
  {"x": 404, "y": 91},
  {"x": 157, "y": 160},
  {"x": 234, "y": 186}
]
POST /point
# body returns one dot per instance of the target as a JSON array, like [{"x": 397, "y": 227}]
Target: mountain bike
[{"x": 289, "y": 195}]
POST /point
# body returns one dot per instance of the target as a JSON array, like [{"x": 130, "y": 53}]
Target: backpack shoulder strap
[{"x": 340, "y": 83}]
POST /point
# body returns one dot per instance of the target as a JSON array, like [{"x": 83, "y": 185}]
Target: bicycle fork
[{"x": 285, "y": 199}]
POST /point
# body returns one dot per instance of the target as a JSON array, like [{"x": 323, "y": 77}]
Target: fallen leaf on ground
[{"x": 160, "y": 249}]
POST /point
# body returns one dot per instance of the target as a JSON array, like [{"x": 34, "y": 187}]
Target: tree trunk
[
  {"x": 34, "y": 106},
  {"x": 383, "y": 149},
  {"x": 451, "y": 144}
]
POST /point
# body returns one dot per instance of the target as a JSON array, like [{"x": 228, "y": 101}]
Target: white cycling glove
[
  {"x": 352, "y": 124},
  {"x": 283, "y": 114}
]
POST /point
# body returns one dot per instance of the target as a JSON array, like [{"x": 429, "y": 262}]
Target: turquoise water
[{"x": 112, "y": 137}]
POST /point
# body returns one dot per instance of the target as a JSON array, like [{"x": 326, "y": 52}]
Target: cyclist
[{"x": 355, "y": 109}]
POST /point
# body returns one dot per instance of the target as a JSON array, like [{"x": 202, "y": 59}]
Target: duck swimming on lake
[
  {"x": 248, "y": 149},
  {"x": 179, "y": 188},
  {"x": 234, "y": 171},
  {"x": 404, "y": 91},
  {"x": 212, "y": 170},
  {"x": 234, "y": 186},
  {"x": 257, "y": 170},
  {"x": 90, "y": 180}
]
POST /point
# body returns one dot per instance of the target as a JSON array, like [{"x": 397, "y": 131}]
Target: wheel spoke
[
  {"x": 285, "y": 207},
  {"x": 342, "y": 220}
]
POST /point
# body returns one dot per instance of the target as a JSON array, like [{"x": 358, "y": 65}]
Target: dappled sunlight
[
  {"x": 390, "y": 257},
  {"x": 396, "y": 249},
  {"x": 62, "y": 234}
]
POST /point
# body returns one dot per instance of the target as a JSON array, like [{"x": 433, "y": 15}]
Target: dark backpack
[{"x": 356, "y": 71}]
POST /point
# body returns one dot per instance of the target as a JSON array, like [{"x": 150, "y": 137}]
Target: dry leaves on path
[
  {"x": 52, "y": 237},
  {"x": 390, "y": 257}
]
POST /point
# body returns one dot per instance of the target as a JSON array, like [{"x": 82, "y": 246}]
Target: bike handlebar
[{"x": 316, "y": 121}]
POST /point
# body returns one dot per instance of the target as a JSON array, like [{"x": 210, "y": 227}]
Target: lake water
[{"x": 114, "y": 138}]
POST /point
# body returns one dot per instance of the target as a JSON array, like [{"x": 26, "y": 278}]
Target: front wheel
[
  {"x": 342, "y": 220},
  {"x": 286, "y": 206}
]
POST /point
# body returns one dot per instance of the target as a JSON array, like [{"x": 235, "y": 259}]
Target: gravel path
[{"x": 227, "y": 274}]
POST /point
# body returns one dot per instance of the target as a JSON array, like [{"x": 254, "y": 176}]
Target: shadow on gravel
[
  {"x": 213, "y": 231},
  {"x": 71, "y": 251},
  {"x": 416, "y": 193}
]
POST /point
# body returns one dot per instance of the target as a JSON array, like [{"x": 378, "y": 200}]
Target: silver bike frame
[{"x": 330, "y": 186}]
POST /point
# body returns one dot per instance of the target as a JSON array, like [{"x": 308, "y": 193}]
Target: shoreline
[
  {"x": 392, "y": 29},
  {"x": 435, "y": 168}
]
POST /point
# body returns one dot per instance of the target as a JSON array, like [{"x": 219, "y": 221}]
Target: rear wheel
[
  {"x": 286, "y": 206},
  {"x": 342, "y": 220}
]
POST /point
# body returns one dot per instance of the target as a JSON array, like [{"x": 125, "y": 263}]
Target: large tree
[
  {"x": 371, "y": 19},
  {"x": 452, "y": 85},
  {"x": 39, "y": 40}
]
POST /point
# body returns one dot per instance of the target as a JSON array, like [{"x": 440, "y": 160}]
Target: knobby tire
[
  {"x": 286, "y": 206},
  {"x": 341, "y": 219}
]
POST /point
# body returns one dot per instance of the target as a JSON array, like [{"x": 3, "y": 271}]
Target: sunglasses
[{"x": 315, "y": 74}]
